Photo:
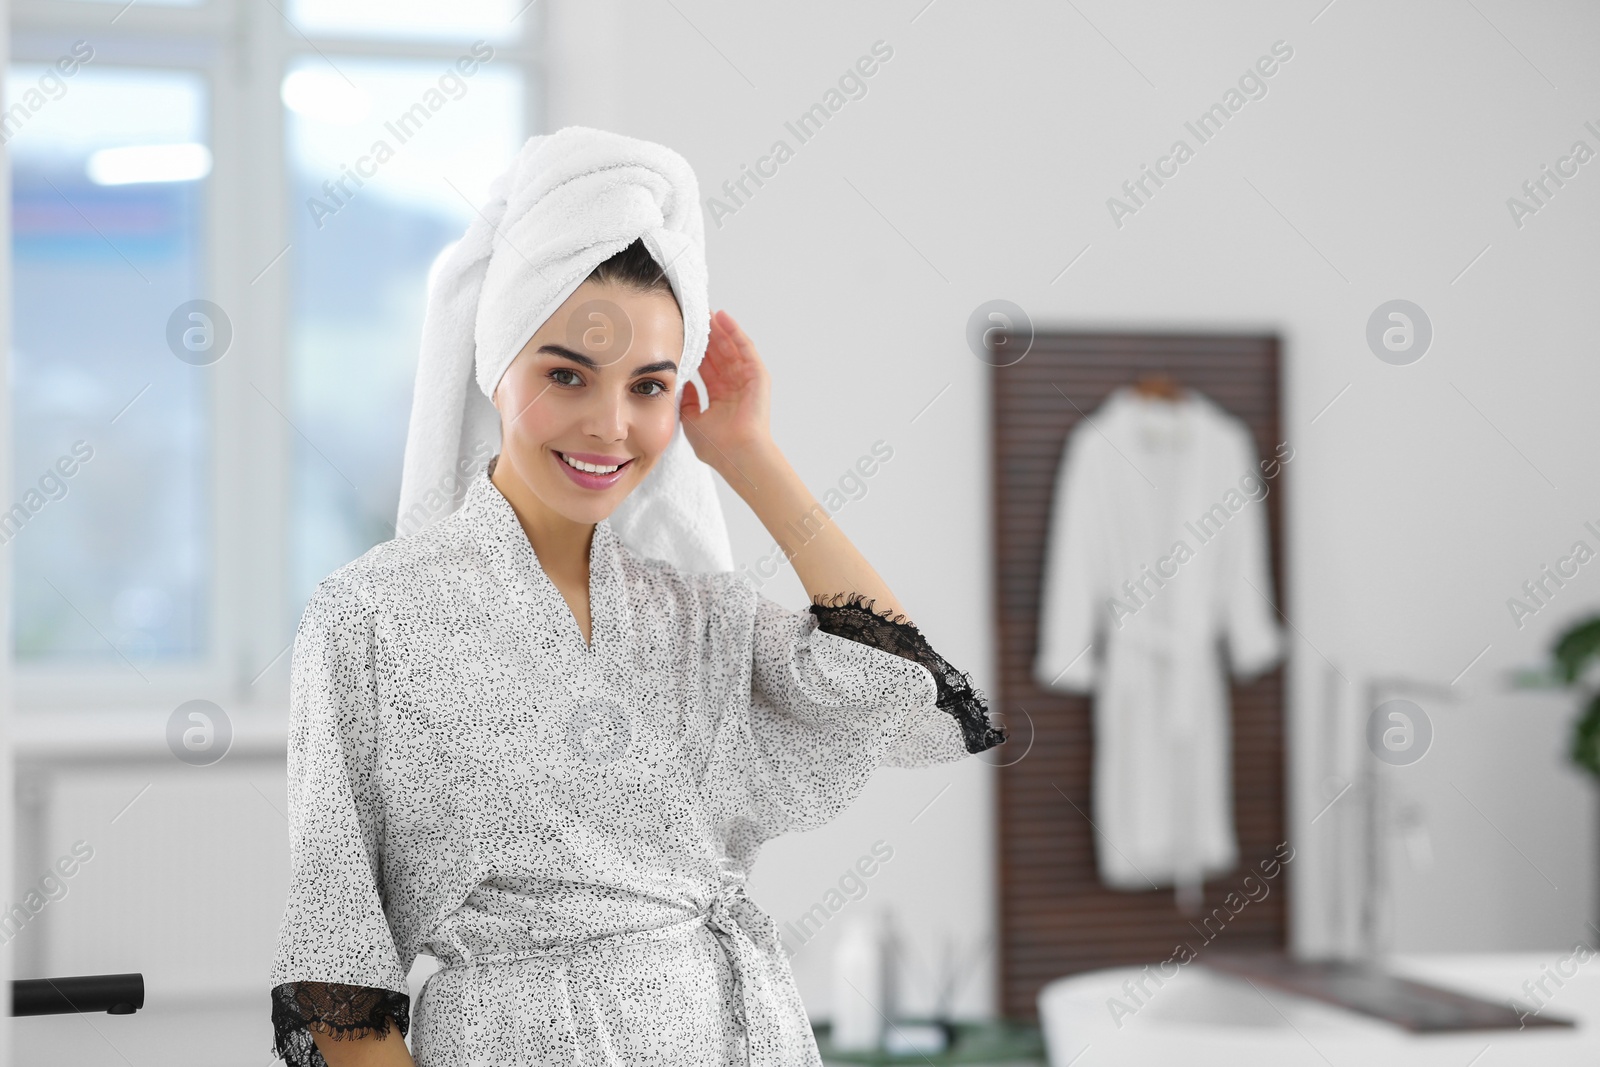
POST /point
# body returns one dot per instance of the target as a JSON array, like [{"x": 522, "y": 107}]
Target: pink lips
[{"x": 584, "y": 478}]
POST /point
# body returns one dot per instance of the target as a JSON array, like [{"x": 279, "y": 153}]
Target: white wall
[
  {"x": 178, "y": 873},
  {"x": 978, "y": 166},
  {"x": 1377, "y": 166}
]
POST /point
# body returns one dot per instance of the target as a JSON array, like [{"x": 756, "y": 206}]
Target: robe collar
[{"x": 494, "y": 527}]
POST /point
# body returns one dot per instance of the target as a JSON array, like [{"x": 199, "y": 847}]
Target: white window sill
[{"x": 134, "y": 733}]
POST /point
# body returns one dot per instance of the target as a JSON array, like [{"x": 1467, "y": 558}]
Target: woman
[{"x": 522, "y": 747}]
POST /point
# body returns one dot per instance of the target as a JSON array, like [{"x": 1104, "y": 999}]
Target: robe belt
[
  {"x": 750, "y": 939},
  {"x": 1151, "y": 637},
  {"x": 747, "y": 935}
]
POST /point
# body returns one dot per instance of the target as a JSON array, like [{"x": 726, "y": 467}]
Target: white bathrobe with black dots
[{"x": 566, "y": 826}]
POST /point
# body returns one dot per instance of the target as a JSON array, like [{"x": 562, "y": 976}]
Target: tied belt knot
[
  {"x": 750, "y": 939},
  {"x": 746, "y": 934}
]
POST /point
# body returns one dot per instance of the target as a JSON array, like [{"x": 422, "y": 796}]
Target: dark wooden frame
[{"x": 1056, "y": 918}]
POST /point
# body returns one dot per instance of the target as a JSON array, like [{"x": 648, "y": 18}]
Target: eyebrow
[{"x": 579, "y": 357}]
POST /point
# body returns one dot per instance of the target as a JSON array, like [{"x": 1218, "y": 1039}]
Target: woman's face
[{"x": 596, "y": 384}]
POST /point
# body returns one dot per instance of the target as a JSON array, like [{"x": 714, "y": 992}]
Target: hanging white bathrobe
[{"x": 1157, "y": 559}]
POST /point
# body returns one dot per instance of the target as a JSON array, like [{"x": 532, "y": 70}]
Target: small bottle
[
  {"x": 891, "y": 949},
  {"x": 858, "y": 986}
]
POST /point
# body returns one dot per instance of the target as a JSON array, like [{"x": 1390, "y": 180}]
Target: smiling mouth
[
  {"x": 591, "y": 475},
  {"x": 591, "y": 468}
]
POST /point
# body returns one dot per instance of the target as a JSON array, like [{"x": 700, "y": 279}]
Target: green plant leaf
[
  {"x": 1586, "y": 739},
  {"x": 1577, "y": 647}
]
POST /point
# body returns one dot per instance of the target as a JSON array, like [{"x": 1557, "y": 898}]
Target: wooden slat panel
[{"x": 1056, "y": 918}]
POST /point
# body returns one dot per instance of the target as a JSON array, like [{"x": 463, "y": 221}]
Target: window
[
  {"x": 218, "y": 298},
  {"x": 108, "y": 180},
  {"x": 495, "y": 21},
  {"x": 362, "y": 254}
]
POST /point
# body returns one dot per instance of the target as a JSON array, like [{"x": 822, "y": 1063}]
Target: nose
[{"x": 605, "y": 417}]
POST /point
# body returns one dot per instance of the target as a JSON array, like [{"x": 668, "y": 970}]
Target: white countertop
[{"x": 1206, "y": 1019}]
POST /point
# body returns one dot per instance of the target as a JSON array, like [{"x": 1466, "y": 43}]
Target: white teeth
[{"x": 590, "y": 467}]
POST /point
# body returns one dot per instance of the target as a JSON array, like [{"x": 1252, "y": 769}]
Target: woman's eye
[{"x": 649, "y": 387}]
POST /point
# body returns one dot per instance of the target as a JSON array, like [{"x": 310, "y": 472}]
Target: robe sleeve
[
  {"x": 963, "y": 728},
  {"x": 1254, "y": 639},
  {"x": 825, "y": 711},
  {"x": 1069, "y": 590},
  {"x": 336, "y": 968}
]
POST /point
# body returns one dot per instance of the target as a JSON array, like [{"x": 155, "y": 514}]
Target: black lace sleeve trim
[
  {"x": 852, "y": 615},
  {"x": 343, "y": 1012}
]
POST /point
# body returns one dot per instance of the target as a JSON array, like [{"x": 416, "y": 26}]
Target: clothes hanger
[{"x": 1158, "y": 385}]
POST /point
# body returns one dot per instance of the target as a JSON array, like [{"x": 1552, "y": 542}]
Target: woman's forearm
[
  {"x": 733, "y": 435},
  {"x": 822, "y": 556},
  {"x": 386, "y": 1050}
]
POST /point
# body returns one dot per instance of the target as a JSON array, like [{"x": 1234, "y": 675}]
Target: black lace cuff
[
  {"x": 851, "y": 615},
  {"x": 344, "y": 1012}
]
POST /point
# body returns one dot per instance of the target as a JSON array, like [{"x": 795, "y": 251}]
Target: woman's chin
[
  {"x": 592, "y": 511},
  {"x": 590, "y": 505}
]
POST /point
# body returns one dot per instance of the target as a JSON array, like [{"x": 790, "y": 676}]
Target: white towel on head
[{"x": 571, "y": 200}]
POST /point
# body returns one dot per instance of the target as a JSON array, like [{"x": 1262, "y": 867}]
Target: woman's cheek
[
  {"x": 663, "y": 423},
  {"x": 535, "y": 412}
]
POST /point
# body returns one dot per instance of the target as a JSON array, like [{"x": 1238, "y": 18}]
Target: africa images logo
[{"x": 600, "y": 732}]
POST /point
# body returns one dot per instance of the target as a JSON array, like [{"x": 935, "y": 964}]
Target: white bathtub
[{"x": 1205, "y": 1018}]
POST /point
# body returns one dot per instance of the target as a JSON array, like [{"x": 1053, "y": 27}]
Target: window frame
[{"x": 241, "y": 51}]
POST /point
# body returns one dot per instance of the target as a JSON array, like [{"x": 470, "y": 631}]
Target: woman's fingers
[
  {"x": 724, "y": 360},
  {"x": 712, "y": 367},
  {"x": 731, "y": 366},
  {"x": 729, "y": 338},
  {"x": 737, "y": 336},
  {"x": 740, "y": 363}
]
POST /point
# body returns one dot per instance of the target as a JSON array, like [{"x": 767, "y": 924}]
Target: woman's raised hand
[{"x": 735, "y": 423}]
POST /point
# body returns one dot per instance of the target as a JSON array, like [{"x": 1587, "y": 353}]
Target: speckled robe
[{"x": 567, "y": 826}]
